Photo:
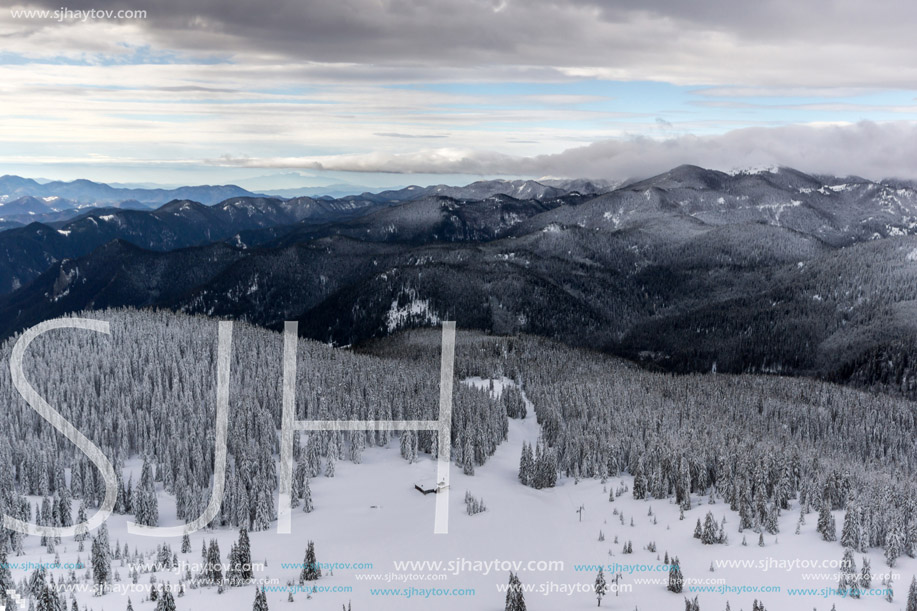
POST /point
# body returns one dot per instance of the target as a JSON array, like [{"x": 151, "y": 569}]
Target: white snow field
[{"x": 369, "y": 519}]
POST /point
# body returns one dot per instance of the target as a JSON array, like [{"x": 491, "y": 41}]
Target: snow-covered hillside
[
  {"x": 373, "y": 535},
  {"x": 146, "y": 393}
]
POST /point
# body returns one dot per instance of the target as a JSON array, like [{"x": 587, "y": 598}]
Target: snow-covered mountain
[
  {"x": 689, "y": 270},
  {"x": 517, "y": 189}
]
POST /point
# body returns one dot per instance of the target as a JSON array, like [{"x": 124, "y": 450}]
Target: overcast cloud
[
  {"x": 871, "y": 151},
  {"x": 769, "y": 42},
  {"x": 357, "y": 85}
]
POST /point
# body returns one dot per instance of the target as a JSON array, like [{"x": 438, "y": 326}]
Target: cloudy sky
[{"x": 394, "y": 92}]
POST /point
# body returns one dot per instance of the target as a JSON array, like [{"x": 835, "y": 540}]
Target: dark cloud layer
[{"x": 770, "y": 42}]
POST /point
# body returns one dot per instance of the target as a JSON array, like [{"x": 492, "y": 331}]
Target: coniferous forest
[{"x": 748, "y": 457}]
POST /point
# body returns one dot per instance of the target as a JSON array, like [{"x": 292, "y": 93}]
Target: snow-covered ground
[{"x": 370, "y": 515}]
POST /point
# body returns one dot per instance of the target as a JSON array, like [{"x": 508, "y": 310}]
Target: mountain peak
[
  {"x": 181, "y": 205},
  {"x": 685, "y": 176}
]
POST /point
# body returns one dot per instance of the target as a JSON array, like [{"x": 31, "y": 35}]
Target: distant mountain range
[
  {"x": 24, "y": 200},
  {"x": 517, "y": 189},
  {"x": 691, "y": 270},
  {"x": 27, "y": 251},
  {"x": 95, "y": 193}
]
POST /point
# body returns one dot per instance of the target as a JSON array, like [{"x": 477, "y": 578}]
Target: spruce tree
[
  {"x": 48, "y": 599},
  {"x": 600, "y": 587},
  {"x": 848, "y": 583},
  {"x": 866, "y": 574},
  {"x": 526, "y": 464},
  {"x": 101, "y": 561},
  {"x": 676, "y": 579},
  {"x": 241, "y": 560},
  {"x": 710, "y": 534},
  {"x": 6, "y": 577},
  {"x": 515, "y": 599},
  {"x": 145, "y": 504},
  {"x": 892, "y": 546},
  {"x": 639, "y": 491},
  {"x": 826, "y": 524},
  {"x": 166, "y": 601},
  {"x": 310, "y": 570},
  {"x": 468, "y": 458},
  {"x": 81, "y": 518},
  {"x": 850, "y": 531},
  {"x": 307, "y": 505},
  {"x": 213, "y": 565},
  {"x": 260, "y": 601}
]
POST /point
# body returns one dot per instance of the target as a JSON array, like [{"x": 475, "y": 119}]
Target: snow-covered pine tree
[
  {"x": 307, "y": 505},
  {"x": 49, "y": 599},
  {"x": 409, "y": 446},
  {"x": 826, "y": 524},
  {"x": 848, "y": 582},
  {"x": 166, "y": 601},
  {"x": 299, "y": 478},
  {"x": 6, "y": 577},
  {"x": 358, "y": 444},
  {"x": 310, "y": 569},
  {"x": 866, "y": 574},
  {"x": 241, "y": 560},
  {"x": 850, "y": 531},
  {"x": 640, "y": 484},
  {"x": 101, "y": 561},
  {"x": 81, "y": 518},
  {"x": 313, "y": 458},
  {"x": 526, "y": 464},
  {"x": 912, "y": 596},
  {"x": 468, "y": 457},
  {"x": 676, "y": 579},
  {"x": 893, "y": 546},
  {"x": 260, "y": 600},
  {"x": 683, "y": 486},
  {"x": 213, "y": 569},
  {"x": 145, "y": 503},
  {"x": 600, "y": 587},
  {"x": 515, "y": 598},
  {"x": 710, "y": 534}
]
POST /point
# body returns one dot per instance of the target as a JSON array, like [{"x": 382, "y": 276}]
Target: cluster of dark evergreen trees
[
  {"x": 537, "y": 469},
  {"x": 473, "y": 505},
  {"x": 711, "y": 532}
]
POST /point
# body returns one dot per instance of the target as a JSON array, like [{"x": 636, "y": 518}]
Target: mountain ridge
[{"x": 690, "y": 270}]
